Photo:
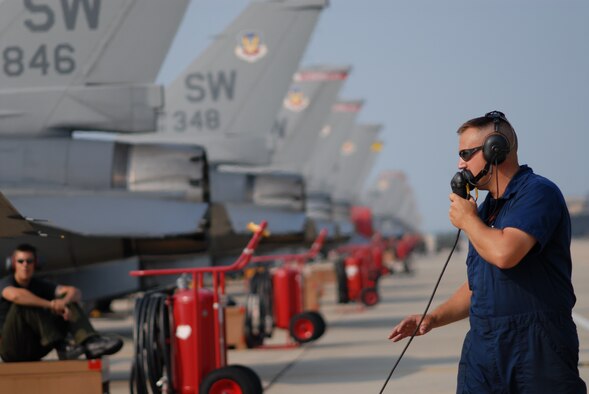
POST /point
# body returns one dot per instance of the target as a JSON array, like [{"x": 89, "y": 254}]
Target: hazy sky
[{"x": 425, "y": 66}]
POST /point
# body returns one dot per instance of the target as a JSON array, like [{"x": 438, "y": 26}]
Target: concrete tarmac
[{"x": 354, "y": 355}]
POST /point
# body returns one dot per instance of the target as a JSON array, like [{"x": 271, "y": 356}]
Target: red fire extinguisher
[{"x": 190, "y": 369}]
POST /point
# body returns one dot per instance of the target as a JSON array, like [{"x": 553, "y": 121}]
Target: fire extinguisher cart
[
  {"x": 282, "y": 298},
  {"x": 358, "y": 272},
  {"x": 194, "y": 358}
]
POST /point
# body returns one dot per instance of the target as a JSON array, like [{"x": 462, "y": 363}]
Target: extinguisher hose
[{"x": 152, "y": 367}]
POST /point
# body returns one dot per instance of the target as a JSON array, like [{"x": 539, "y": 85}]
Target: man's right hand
[{"x": 408, "y": 325}]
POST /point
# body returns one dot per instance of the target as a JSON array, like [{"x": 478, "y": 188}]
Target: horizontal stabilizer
[
  {"x": 280, "y": 221},
  {"x": 12, "y": 223},
  {"x": 122, "y": 108},
  {"x": 242, "y": 149},
  {"x": 113, "y": 215}
]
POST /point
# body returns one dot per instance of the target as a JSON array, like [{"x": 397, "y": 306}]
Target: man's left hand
[{"x": 59, "y": 307}]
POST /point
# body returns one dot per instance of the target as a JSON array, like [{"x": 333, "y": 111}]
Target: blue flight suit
[{"x": 522, "y": 338}]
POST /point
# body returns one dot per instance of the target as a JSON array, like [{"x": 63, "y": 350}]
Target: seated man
[{"x": 36, "y": 317}]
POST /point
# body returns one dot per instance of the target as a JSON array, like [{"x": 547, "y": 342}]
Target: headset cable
[{"x": 422, "y": 316}]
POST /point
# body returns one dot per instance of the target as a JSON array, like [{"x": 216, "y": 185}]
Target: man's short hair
[
  {"x": 26, "y": 248},
  {"x": 483, "y": 122}
]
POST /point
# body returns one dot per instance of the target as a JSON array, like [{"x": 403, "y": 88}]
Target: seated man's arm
[
  {"x": 24, "y": 297},
  {"x": 68, "y": 294}
]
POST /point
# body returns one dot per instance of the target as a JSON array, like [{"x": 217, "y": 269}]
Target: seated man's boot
[
  {"x": 68, "y": 351},
  {"x": 98, "y": 346}
]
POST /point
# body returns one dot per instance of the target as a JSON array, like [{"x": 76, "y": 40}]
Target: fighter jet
[
  {"x": 319, "y": 170},
  {"x": 176, "y": 227},
  {"x": 66, "y": 67},
  {"x": 305, "y": 111},
  {"x": 393, "y": 204},
  {"x": 226, "y": 101},
  {"x": 356, "y": 159}
]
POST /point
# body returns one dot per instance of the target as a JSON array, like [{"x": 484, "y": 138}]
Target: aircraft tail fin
[
  {"x": 64, "y": 56},
  {"x": 236, "y": 86},
  {"x": 355, "y": 161},
  {"x": 321, "y": 166},
  {"x": 304, "y": 111}
]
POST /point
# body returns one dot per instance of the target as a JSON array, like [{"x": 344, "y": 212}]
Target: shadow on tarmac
[{"x": 329, "y": 370}]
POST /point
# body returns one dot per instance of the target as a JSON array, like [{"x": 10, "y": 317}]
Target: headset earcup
[
  {"x": 9, "y": 264},
  {"x": 495, "y": 148}
]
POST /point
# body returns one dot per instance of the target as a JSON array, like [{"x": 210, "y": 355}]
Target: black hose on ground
[{"x": 152, "y": 363}]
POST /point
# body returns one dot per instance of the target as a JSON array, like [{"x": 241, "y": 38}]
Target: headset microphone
[
  {"x": 473, "y": 180},
  {"x": 459, "y": 184}
]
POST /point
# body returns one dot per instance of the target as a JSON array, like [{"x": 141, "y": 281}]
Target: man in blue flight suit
[{"x": 519, "y": 296}]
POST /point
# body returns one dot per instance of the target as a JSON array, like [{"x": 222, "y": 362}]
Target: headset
[
  {"x": 495, "y": 149},
  {"x": 496, "y": 146}
]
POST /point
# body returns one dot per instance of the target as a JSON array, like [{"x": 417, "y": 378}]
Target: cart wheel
[
  {"x": 369, "y": 296},
  {"x": 321, "y": 326},
  {"x": 342, "y": 282},
  {"x": 234, "y": 379},
  {"x": 306, "y": 327},
  {"x": 253, "y": 377}
]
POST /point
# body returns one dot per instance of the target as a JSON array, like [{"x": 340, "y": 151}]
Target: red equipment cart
[
  {"x": 287, "y": 298},
  {"x": 199, "y": 350},
  {"x": 358, "y": 272}
]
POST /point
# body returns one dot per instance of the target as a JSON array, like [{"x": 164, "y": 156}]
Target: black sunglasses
[
  {"x": 29, "y": 261},
  {"x": 467, "y": 154}
]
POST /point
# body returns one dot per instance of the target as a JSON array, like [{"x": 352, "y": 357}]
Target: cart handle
[
  {"x": 311, "y": 253},
  {"x": 240, "y": 263}
]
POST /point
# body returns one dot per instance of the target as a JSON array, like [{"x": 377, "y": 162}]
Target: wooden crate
[
  {"x": 324, "y": 272},
  {"x": 313, "y": 290},
  {"x": 235, "y": 318},
  {"x": 55, "y": 377}
]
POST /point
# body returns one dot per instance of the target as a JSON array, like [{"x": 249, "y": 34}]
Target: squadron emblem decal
[
  {"x": 376, "y": 146},
  {"x": 348, "y": 148},
  {"x": 250, "y": 47},
  {"x": 325, "y": 131},
  {"x": 295, "y": 100},
  {"x": 383, "y": 184}
]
